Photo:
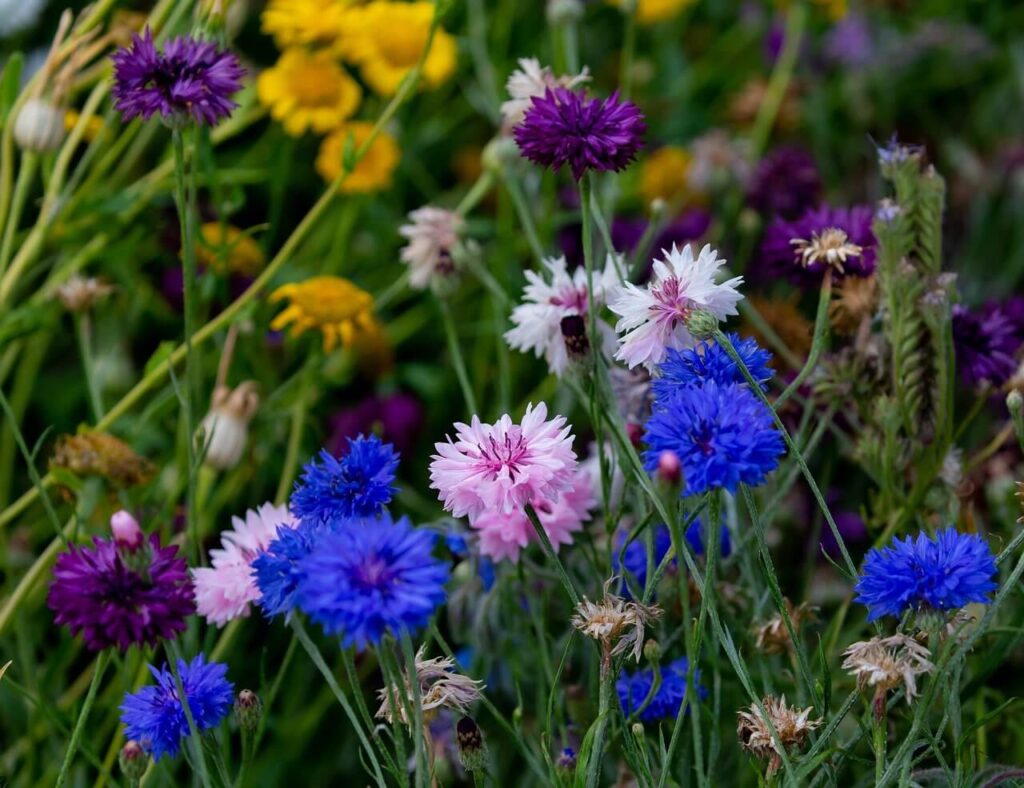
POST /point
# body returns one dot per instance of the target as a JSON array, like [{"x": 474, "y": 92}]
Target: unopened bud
[
  {"x": 574, "y": 333},
  {"x": 133, "y": 761},
  {"x": 1014, "y": 402},
  {"x": 39, "y": 127},
  {"x": 635, "y": 433},
  {"x": 472, "y": 750},
  {"x": 652, "y": 651},
  {"x": 658, "y": 207},
  {"x": 638, "y": 730},
  {"x": 500, "y": 154},
  {"x": 702, "y": 323},
  {"x": 248, "y": 710},
  {"x": 126, "y": 530},
  {"x": 226, "y": 427},
  {"x": 670, "y": 468}
]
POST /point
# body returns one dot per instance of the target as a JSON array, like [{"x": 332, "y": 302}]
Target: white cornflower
[
  {"x": 886, "y": 663},
  {"x": 440, "y": 687},
  {"x": 616, "y": 624},
  {"x": 530, "y": 80},
  {"x": 432, "y": 234},
  {"x": 653, "y": 318},
  {"x": 546, "y": 301}
]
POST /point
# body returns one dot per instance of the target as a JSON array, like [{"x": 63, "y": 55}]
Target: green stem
[
  {"x": 83, "y": 332},
  {"x": 525, "y": 217},
  {"x": 194, "y": 735},
  {"x": 25, "y": 175},
  {"x": 563, "y": 575},
  {"x": 782, "y": 74},
  {"x": 476, "y": 193},
  {"x": 456, "y": 353},
  {"x": 604, "y": 712},
  {"x": 101, "y": 665},
  {"x": 424, "y": 771},
  {"x": 817, "y": 344},
  {"x": 587, "y": 237},
  {"x": 879, "y": 742}
]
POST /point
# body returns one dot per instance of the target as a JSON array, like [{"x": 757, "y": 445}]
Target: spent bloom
[
  {"x": 565, "y": 127},
  {"x": 187, "y": 78},
  {"x": 668, "y": 698},
  {"x": 334, "y": 306},
  {"x": 529, "y": 81},
  {"x": 80, "y": 294},
  {"x": 653, "y": 318},
  {"x": 359, "y": 484},
  {"x": 723, "y": 435},
  {"x": 941, "y": 573},
  {"x": 772, "y": 637},
  {"x": 432, "y": 234},
  {"x": 155, "y": 716},
  {"x": 548, "y": 300},
  {"x": 886, "y": 663},
  {"x": 617, "y": 624},
  {"x": 791, "y": 725},
  {"x": 369, "y": 577},
  {"x": 709, "y": 361},
  {"x": 121, "y": 592},
  {"x": 225, "y": 427},
  {"x": 503, "y": 466},
  {"x": 440, "y": 688},
  {"x": 226, "y": 589}
]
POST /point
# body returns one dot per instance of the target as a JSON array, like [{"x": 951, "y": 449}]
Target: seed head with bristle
[
  {"x": 440, "y": 687},
  {"x": 887, "y": 663},
  {"x": 616, "y": 624},
  {"x": 772, "y": 637},
  {"x": 791, "y": 725},
  {"x": 832, "y": 246}
]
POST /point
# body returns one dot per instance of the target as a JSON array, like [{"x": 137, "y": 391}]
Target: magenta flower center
[
  {"x": 571, "y": 298},
  {"x": 507, "y": 453},
  {"x": 672, "y": 305},
  {"x": 374, "y": 572}
]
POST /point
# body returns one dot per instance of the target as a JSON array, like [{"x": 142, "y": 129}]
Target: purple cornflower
[
  {"x": 779, "y": 257},
  {"x": 984, "y": 342},
  {"x": 396, "y": 418},
  {"x": 786, "y": 183},
  {"x": 565, "y": 127},
  {"x": 849, "y": 43},
  {"x": 115, "y": 596},
  {"x": 188, "y": 78}
]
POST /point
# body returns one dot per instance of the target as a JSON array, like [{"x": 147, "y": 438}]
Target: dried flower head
[
  {"x": 80, "y": 293},
  {"x": 832, "y": 246},
  {"x": 886, "y": 663},
  {"x": 440, "y": 687},
  {"x": 791, "y": 726},
  {"x": 856, "y": 299},
  {"x": 616, "y": 624},
  {"x": 772, "y": 637},
  {"x": 226, "y": 426},
  {"x": 101, "y": 454}
]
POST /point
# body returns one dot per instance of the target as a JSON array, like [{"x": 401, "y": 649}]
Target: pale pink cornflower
[
  {"x": 654, "y": 318},
  {"x": 503, "y": 466},
  {"x": 432, "y": 234},
  {"x": 503, "y": 535},
  {"x": 226, "y": 589},
  {"x": 532, "y": 80},
  {"x": 547, "y": 300}
]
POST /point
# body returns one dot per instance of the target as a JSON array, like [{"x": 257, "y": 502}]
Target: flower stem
[
  {"x": 525, "y": 217},
  {"x": 879, "y": 736},
  {"x": 570, "y": 588},
  {"x": 83, "y": 332},
  {"x": 173, "y": 656},
  {"x": 817, "y": 343},
  {"x": 21, "y": 187},
  {"x": 596, "y": 760},
  {"x": 83, "y": 715},
  {"x": 456, "y": 353},
  {"x": 779, "y": 81}
]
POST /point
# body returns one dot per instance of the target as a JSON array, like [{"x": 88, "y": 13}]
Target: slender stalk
[
  {"x": 83, "y": 332},
  {"x": 421, "y": 732},
  {"x": 100, "y": 668},
  {"x": 604, "y": 712},
  {"x": 476, "y": 193},
  {"x": 782, "y": 74},
  {"x": 525, "y": 217},
  {"x": 563, "y": 575},
  {"x": 586, "y": 190},
  {"x": 26, "y": 173},
  {"x": 194, "y": 735},
  {"x": 817, "y": 343},
  {"x": 456, "y": 353}
]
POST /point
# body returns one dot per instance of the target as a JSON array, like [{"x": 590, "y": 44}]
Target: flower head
[
  {"x": 669, "y": 697},
  {"x": 786, "y": 183},
  {"x": 79, "y": 294},
  {"x": 359, "y": 484},
  {"x": 318, "y": 23},
  {"x": 531, "y": 80},
  {"x": 503, "y": 466},
  {"x": 886, "y": 663},
  {"x": 944, "y": 573},
  {"x": 709, "y": 361},
  {"x": 792, "y": 727},
  {"x": 724, "y": 436},
  {"x": 617, "y": 624},
  {"x": 772, "y": 637},
  {"x": 565, "y": 127},
  {"x": 228, "y": 250},
  {"x": 440, "y": 688},
  {"x": 373, "y": 171},
  {"x": 831, "y": 247},
  {"x": 187, "y": 78},
  {"x": 985, "y": 343},
  {"x": 101, "y": 454},
  {"x": 432, "y": 234},
  {"x": 116, "y": 596},
  {"x": 226, "y": 589},
  {"x": 665, "y": 175},
  {"x": 276, "y": 570},
  {"x": 537, "y": 322},
  {"x": 369, "y": 577},
  {"x": 308, "y": 91},
  {"x": 653, "y": 319},
  {"x": 335, "y": 306},
  {"x": 155, "y": 716}
]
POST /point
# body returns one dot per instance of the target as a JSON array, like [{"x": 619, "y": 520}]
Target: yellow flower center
[{"x": 316, "y": 84}]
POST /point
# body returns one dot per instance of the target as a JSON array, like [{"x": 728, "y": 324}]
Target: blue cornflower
[
  {"x": 634, "y": 557},
  {"x": 154, "y": 716},
  {"x": 276, "y": 571},
  {"x": 665, "y": 704},
  {"x": 709, "y": 361},
  {"x": 723, "y": 435},
  {"x": 356, "y": 485},
  {"x": 944, "y": 573},
  {"x": 366, "y": 578}
]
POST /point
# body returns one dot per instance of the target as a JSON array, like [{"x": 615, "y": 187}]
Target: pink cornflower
[
  {"x": 225, "y": 590},
  {"x": 503, "y": 466},
  {"x": 653, "y": 319},
  {"x": 502, "y": 536}
]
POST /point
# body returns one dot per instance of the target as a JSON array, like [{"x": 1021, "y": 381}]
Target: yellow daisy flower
[
  {"x": 226, "y": 249},
  {"x": 665, "y": 175},
  {"x": 334, "y": 306},
  {"x": 373, "y": 172},
  {"x": 305, "y": 90},
  {"x": 650, "y": 11},
  {"x": 323, "y": 23},
  {"x": 388, "y": 40}
]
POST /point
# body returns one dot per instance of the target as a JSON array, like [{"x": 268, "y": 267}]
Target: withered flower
[
  {"x": 791, "y": 725},
  {"x": 856, "y": 300},
  {"x": 616, "y": 624},
  {"x": 440, "y": 687},
  {"x": 772, "y": 637},
  {"x": 101, "y": 454},
  {"x": 886, "y": 663}
]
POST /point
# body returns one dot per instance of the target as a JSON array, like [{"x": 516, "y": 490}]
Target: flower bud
[
  {"x": 226, "y": 427},
  {"x": 638, "y": 730},
  {"x": 652, "y": 651},
  {"x": 133, "y": 761},
  {"x": 500, "y": 154},
  {"x": 702, "y": 323},
  {"x": 472, "y": 750},
  {"x": 657, "y": 208},
  {"x": 635, "y": 433},
  {"x": 39, "y": 127},
  {"x": 126, "y": 530},
  {"x": 248, "y": 710},
  {"x": 567, "y": 759},
  {"x": 670, "y": 468}
]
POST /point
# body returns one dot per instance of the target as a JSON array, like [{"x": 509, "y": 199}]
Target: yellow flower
[
  {"x": 308, "y": 91},
  {"x": 650, "y": 11},
  {"x": 387, "y": 41},
  {"x": 373, "y": 172},
  {"x": 334, "y": 306},
  {"x": 226, "y": 249},
  {"x": 322, "y": 23},
  {"x": 93, "y": 127},
  {"x": 665, "y": 175}
]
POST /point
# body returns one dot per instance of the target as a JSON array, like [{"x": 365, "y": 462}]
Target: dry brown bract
[
  {"x": 80, "y": 294},
  {"x": 857, "y": 299},
  {"x": 773, "y": 637},
  {"x": 440, "y": 687},
  {"x": 791, "y": 725},
  {"x": 100, "y": 454},
  {"x": 886, "y": 663},
  {"x": 832, "y": 247},
  {"x": 616, "y": 624}
]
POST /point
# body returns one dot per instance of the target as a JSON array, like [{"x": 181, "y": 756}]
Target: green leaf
[
  {"x": 10, "y": 84},
  {"x": 966, "y": 735},
  {"x": 586, "y": 750},
  {"x": 160, "y": 355}
]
